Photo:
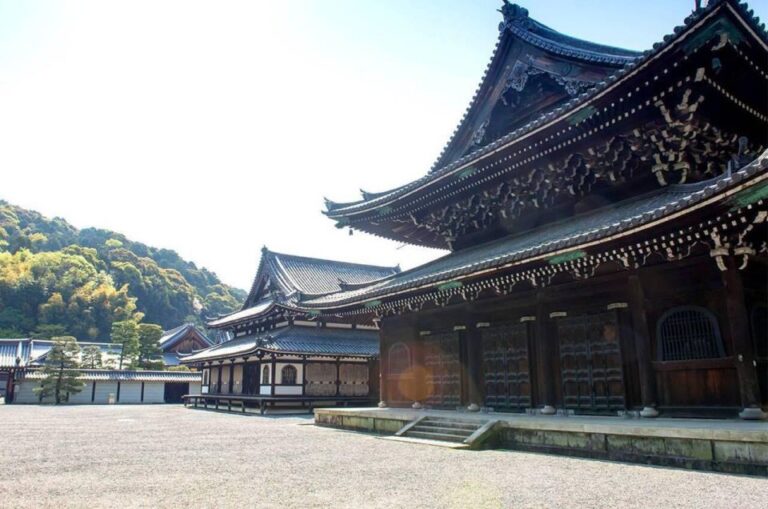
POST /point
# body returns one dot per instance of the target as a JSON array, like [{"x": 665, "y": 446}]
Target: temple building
[
  {"x": 281, "y": 355},
  {"x": 181, "y": 340},
  {"x": 605, "y": 212}
]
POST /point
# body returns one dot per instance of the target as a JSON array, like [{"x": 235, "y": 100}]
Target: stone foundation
[{"x": 725, "y": 446}]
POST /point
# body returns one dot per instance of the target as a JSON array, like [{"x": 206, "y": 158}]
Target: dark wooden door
[
  {"x": 251, "y": 379},
  {"x": 590, "y": 363},
  {"x": 442, "y": 363},
  {"x": 506, "y": 368}
]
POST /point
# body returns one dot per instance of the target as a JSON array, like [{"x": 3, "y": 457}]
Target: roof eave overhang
[{"x": 547, "y": 121}]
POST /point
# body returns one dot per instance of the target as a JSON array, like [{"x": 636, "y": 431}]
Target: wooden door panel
[
  {"x": 442, "y": 362},
  {"x": 506, "y": 368},
  {"x": 590, "y": 362}
]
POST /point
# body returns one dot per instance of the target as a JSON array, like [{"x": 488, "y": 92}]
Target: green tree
[
  {"x": 91, "y": 357},
  {"x": 48, "y": 331},
  {"x": 149, "y": 343},
  {"x": 60, "y": 371},
  {"x": 126, "y": 334}
]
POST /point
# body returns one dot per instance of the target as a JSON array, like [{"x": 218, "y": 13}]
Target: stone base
[
  {"x": 730, "y": 446},
  {"x": 382, "y": 404},
  {"x": 416, "y": 405},
  {"x": 649, "y": 412},
  {"x": 548, "y": 410},
  {"x": 473, "y": 408},
  {"x": 753, "y": 414}
]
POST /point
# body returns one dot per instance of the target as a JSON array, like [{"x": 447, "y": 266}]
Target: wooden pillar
[
  {"x": 642, "y": 340},
  {"x": 231, "y": 375},
  {"x": 383, "y": 368},
  {"x": 218, "y": 380},
  {"x": 338, "y": 376},
  {"x": 544, "y": 355},
  {"x": 273, "y": 375},
  {"x": 738, "y": 330},
  {"x": 474, "y": 367},
  {"x": 373, "y": 377}
]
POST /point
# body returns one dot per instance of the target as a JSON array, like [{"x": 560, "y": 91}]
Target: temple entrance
[
  {"x": 251, "y": 379},
  {"x": 590, "y": 363},
  {"x": 506, "y": 372},
  {"x": 442, "y": 363}
]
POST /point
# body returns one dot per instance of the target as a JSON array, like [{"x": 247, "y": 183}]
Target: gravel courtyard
[{"x": 169, "y": 456}]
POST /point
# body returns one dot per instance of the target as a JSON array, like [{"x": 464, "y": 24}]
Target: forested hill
[{"x": 56, "y": 279}]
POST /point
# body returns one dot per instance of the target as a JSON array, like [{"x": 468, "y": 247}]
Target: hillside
[{"x": 54, "y": 277}]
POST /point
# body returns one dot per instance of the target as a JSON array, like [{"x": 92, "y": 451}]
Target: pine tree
[
  {"x": 126, "y": 334},
  {"x": 149, "y": 343},
  {"x": 60, "y": 370},
  {"x": 92, "y": 357}
]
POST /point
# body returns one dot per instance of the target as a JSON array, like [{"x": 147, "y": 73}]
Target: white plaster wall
[
  {"x": 103, "y": 389},
  {"x": 154, "y": 392},
  {"x": 24, "y": 392},
  {"x": 265, "y": 390},
  {"x": 194, "y": 388},
  {"x": 83, "y": 397},
  {"x": 130, "y": 392},
  {"x": 289, "y": 390}
]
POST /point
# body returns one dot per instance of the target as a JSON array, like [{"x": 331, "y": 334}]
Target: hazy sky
[{"x": 213, "y": 128}]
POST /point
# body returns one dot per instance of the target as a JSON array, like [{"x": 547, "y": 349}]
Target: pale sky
[{"x": 213, "y": 128}]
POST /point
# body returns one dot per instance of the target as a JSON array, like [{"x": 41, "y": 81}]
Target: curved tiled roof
[
  {"x": 109, "y": 375},
  {"x": 170, "y": 337},
  {"x": 295, "y": 339},
  {"x": 338, "y": 210},
  {"x": 588, "y": 227}
]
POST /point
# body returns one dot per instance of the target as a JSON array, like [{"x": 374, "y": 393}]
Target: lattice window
[
  {"x": 688, "y": 333},
  {"x": 265, "y": 375},
  {"x": 399, "y": 359},
  {"x": 288, "y": 375}
]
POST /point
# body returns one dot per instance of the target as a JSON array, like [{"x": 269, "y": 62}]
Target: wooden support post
[
  {"x": 474, "y": 366},
  {"x": 218, "y": 380},
  {"x": 544, "y": 355},
  {"x": 383, "y": 368},
  {"x": 738, "y": 330},
  {"x": 642, "y": 340},
  {"x": 338, "y": 376},
  {"x": 231, "y": 376},
  {"x": 273, "y": 376}
]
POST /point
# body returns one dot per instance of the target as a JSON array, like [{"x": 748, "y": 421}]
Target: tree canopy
[
  {"x": 60, "y": 371},
  {"x": 57, "y": 280}
]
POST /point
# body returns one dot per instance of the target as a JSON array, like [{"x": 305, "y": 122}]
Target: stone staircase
[
  {"x": 453, "y": 432},
  {"x": 446, "y": 430}
]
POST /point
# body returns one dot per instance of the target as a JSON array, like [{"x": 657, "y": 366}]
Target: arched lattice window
[
  {"x": 399, "y": 358},
  {"x": 288, "y": 375},
  {"x": 265, "y": 375},
  {"x": 688, "y": 333}
]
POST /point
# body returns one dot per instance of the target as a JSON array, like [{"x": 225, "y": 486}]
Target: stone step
[
  {"x": 423, "y": 441},
  {"x": 469, "y": 426},
  {"x": 434, "y": 428},
  {"x": 446, "y": 437}
]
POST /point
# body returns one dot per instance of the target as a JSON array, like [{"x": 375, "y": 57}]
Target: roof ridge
[
  {"x": 554, "y": 115},
  {"x": 338, "y": 262}
]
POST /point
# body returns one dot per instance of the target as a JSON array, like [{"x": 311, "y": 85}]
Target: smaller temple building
[
  {"x": 280, "y": 354},
  {"x": 181, "y": 340}
]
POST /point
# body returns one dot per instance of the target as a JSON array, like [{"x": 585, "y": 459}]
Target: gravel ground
[{"x": 169, "y": 456}]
